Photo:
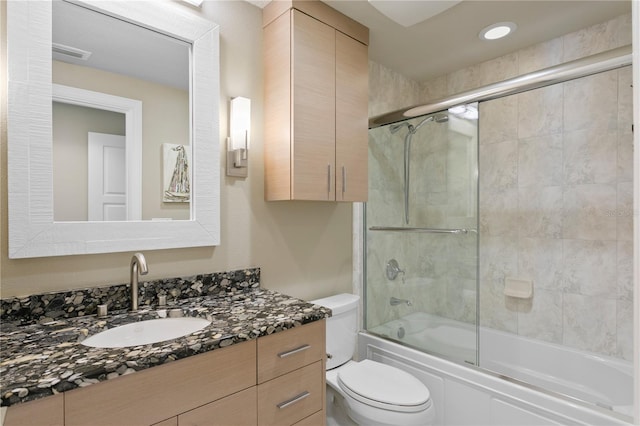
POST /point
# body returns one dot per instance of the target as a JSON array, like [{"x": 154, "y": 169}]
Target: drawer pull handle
[
  {"x": 293, "y": 400},
  {"x": 293, "y": 351}
]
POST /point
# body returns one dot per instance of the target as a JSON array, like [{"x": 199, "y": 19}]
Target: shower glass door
[{"x": 421, "y": 239}]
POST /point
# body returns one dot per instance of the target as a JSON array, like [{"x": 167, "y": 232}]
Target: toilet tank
[{"x": 342, "y": 327}]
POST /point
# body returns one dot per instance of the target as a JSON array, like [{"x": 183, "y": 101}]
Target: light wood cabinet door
[
  {"x": 352, "y": 99},
  {"x": 316, "y": 419},
  {"x": 277, "y": 105},
  {"x": 313, "y": 109},
  {"x": 316, "y": 103},
  {"x": 158, "y": 393},
  {"x": 48, "y": 411},
  {"x": 173, "y": 421},
  {"x": 239, "y": 409}
]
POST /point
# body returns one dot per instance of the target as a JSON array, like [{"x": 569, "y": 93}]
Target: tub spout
[{"x": 394, "y": 301}]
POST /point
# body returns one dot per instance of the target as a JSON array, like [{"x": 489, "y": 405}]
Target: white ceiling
[
  {"x": 449, "y": 41},
  {"x": 120, "y": 47}
]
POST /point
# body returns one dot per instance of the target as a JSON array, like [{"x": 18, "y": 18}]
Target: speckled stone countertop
[{"x": 46, "y": 358}]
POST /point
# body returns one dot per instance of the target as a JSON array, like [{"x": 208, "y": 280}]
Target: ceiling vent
[
  {"x": 70, "y": 51},
  {"x": 408, "y": 13}
]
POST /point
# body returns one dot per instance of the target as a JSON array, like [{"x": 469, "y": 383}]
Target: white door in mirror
[{"x": 145, "y": 332}]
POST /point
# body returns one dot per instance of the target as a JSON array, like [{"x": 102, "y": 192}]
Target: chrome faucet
[
  {"x": 137, "y": 261},
  {"x": 395, "y": 301}
]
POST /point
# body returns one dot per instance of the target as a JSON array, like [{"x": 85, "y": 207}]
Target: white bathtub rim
[{"x": 560, "y": 406}]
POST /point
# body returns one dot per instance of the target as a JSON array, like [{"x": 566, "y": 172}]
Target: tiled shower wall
[
  {"x": 556, "y": 208},
  {"x": 555, "y": 198}
]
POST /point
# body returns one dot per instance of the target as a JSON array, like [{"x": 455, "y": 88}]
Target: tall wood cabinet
[{"x": 316, "y": 103}]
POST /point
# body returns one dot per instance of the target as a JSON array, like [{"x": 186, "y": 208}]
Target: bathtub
[{"x": 557, "y": 384}]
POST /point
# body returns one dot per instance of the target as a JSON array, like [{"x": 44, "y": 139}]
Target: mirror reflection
[{"x": 95, "y": 175}]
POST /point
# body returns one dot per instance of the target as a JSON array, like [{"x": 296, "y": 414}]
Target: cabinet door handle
[
  {"x": 328, "y": 180},
  {"x": 293, "y": 351},
  {"x": 344, "y": 180},
  {"x": 293, "y": 400}
]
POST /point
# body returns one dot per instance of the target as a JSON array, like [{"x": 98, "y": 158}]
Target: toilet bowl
[{"x": 367, "y": 392}]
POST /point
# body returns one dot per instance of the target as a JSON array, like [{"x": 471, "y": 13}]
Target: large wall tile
[
  {"x": 498, "y": 166},
  {"x": 624, "y": 211},
  {"x": 589, "y": 323},
  {"x": 591, "y": 102},
  {"x": 591, "y": 40},
  {"x": 625, "y": 157},
  {"x": 499, "y": 69},
  {"x": 541, "y": 316},
  {"x": 499, "y": 120},
  {"x": 464, "y": 79},
  {"x": 625, "y": 270},
  {"x": 498, "y": 259},
  {"x": 624, "y": 329},
  {"x": 590, "y": 268},
  {"x": 585, "y": 212},
  {"x": 499, "y": 213},
  {"x": 540, "y": 211},
  {"x": 625, "y": 99},
  {"x": 540, "y": 260},
  {"x": 540, "y": 112},
  {"x": 392, "y": 90},
  {"x": 590, "y": 156},
  {"x": 540, "y": 160},
  {"x": 541, "y": 55}
]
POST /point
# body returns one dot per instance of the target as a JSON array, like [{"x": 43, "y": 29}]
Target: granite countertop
[{"x": 46, "y": 358}]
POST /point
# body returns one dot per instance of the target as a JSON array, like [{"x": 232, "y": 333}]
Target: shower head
[
  {"x": 440, "y": 118},
  {"x": 395, "y": 127}
]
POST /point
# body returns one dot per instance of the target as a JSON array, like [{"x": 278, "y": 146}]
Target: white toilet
[{"x": 368, "y": 392}]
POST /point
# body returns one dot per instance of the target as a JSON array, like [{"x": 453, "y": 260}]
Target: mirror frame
[{"x": 32, "y": 231}]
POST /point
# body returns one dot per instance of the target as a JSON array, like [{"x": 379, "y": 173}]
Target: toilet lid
[{"x": 384, "y": 386}]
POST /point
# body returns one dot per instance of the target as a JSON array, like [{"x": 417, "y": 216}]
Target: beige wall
[
  {"x": 303, "y": 248},
  {"x": 71, "y": 123},
  {"x": 165, "y": 119}
]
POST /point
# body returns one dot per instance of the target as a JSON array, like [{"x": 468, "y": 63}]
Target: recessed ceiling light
[{"x": 496, "y": 31}]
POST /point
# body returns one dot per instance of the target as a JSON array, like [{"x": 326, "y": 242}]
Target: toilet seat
[{"x": 383, "y": 386}]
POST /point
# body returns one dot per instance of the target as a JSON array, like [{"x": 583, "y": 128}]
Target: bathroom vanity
[{"x": 261, "y": 361}]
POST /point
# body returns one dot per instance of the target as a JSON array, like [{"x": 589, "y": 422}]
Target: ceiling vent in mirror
[{"x": 74, "y": 52}]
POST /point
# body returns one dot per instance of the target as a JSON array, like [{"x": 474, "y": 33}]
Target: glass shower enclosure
[
  {"x": 421, "y": 233},
  {"x": 506, "y": 241}
]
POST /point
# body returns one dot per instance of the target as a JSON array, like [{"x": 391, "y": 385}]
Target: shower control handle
[{"x": 393, "y": 269}]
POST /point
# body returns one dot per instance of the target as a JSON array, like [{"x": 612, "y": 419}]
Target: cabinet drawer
[
  {"x": 289, "y": 350},
  {"x": 292, "y": 397},
  {"x": 158, "y": 393},
  {"x": 316, "y": 419},
  {"x": 239, "y": 409}
]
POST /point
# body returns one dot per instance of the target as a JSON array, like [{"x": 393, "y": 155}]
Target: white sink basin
[{"x": 145, "y": 332}]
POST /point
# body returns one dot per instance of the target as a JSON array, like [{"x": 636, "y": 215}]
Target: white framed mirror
[{"x": 33, "y": 232}]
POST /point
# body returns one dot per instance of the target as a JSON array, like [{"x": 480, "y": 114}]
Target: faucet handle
[
  {"x": 102, "y": 311},
  {"x": 393, "y": 269}
]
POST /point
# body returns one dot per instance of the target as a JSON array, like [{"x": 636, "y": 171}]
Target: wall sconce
[{"x": 238, "y": 140}]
